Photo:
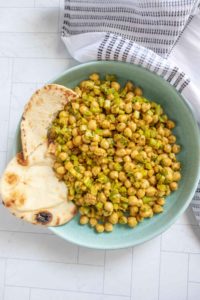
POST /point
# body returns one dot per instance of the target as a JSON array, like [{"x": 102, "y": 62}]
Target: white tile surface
[
  {"x": 5, "y": 87},
  {"x": 17, "y": 293},
  {"x": 54, "y": 275},
  {"x": 187, "y": 218},
  {"x": 118, "y": 265},
  {"x": 146, "y": 258},
  {"x": 46, "y": 3},
  {"x": 37, "y": 294},
  {"x": 30, "y": 20},
  {"x": 39, "y": 70},
  {"x": 194, "y": 269},
  {"x": 182, "y": 238},
  {"x": 2, "y": 276},
  {"x": 2, "y": 161},
  {"x": 91, "y": 257},
  {"x": 36, "y": 246},
  {"x": 193, "y": 291},
  {"x": 173, "y": 276},
  {"x": 47, "y": 45},
  {"x": 17, "y": 3}
]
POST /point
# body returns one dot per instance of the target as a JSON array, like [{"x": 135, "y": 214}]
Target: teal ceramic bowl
[{"x": 158, "y": 90}]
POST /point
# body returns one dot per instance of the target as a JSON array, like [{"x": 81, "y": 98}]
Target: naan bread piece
[
  {"x": 32, "y": 186},
  {"x": 39, "y": 113},
  {"x": 53, "y": 216}
]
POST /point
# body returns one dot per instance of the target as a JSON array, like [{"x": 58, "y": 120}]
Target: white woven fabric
[{"x": 160, "y": 35}]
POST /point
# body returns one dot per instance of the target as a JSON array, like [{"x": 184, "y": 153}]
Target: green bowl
[{"x": 156, "y": 89}]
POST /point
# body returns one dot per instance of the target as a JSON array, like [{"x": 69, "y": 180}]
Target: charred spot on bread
[
  {"x": 43, "y": 217},
  {"x": 21, "y": 160},
  {"x": 11, "y": 178}
]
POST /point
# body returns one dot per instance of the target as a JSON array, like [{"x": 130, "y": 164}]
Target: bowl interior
[{"x": 158, "y": 90}]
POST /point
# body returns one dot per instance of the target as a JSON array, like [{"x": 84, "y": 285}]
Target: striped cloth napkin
[{"x": 143, "y": 32}]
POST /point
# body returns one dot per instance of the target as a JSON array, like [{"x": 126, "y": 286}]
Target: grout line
[
  {"x": 181, "y": 252},
  {"x": 188, "y": 274},
  {"x": 132, "y": 256},
  {"x": 28, "y": 232},
  {"x": 29, "y": 294},
  {"x": 104, "y": 265},
  {"x": 159, "y": 268},
  {"x": 68, "y": 290},
  {"x": 52, "y": 262},
  {"x": 192, "y": 281}
]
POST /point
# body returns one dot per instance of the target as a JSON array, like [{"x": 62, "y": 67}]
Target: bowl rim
[{"x": 172, "y": 220}]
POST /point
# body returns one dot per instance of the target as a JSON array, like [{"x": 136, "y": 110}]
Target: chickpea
[
  {"x": 145, "y": 107},
  {"x": 166, "y": 162},
  {"x": 115, "y": 85},
  {"x": 134, "y": 201},
  {"x": 157, "y": 209},
  {"x": 140, "y": 193},
  {"x": 72, "y": 119},
  {"x": 144, "y": 184},
  {"x": 167, "y": 148},
  {"x": 128, "y": 107},
  {"x": 138, "y": 175},
  {"x": 133, "y": 211},
  {"x": 132, "y": 222},
  {"x": 92, "y": 125},
  {"x": 129, "y": 167},
  {"x": 94, "y": 77},
  {"x": 127, "y": 158},
  {"x": 138, "y": 91},
  {"x": 172, "y": 139},
  {"x": 160, "y": 201},
  {"x": 137, "y": 106},
  {"x": 105, "y": 124},
  {"x": 120, "y": 152},
  {"x": 77, "y": 140},
  {"x": 128, "y": 132},
  {"x": 122, "y": 176},
  {"x": 104, "y": 144},
  {"x": 176, "y": 166},
  {"x": 113, "y": 174},
  {"x": 170, "y": 124},
  {"x": 99, "y": 228},
  {"x": 122, "y": 118},
  {"x": 83, "y": 220},
  {"x": 131, "y": 191},
  {"x": 108, "y": 206},
  {"x": 173, "y": 186},
  {"x": 176, "y": 176},
  {"x": 120, "y": 127},
  {"x": 123, "y": 220},
  {"x": 60, "y": 170},
  {"x": 93, "y": 222},
  {"x": 176, "y": 148},
  {"x": 63, "y": 156},
  {"x": 108, "y": 227},
  {"x": 88, "y": 174},
  {"x": 134, "y": 153},
  {"x": 96, "y": 170},
  {"x": 113, "y": 218},
  {"x": 129, "y": 97},
  {"x": 127, "y": 184},
  {"x": 150, "y": 191}
]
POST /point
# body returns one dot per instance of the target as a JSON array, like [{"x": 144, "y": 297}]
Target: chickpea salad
[{"x": 116, "y": 152}]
